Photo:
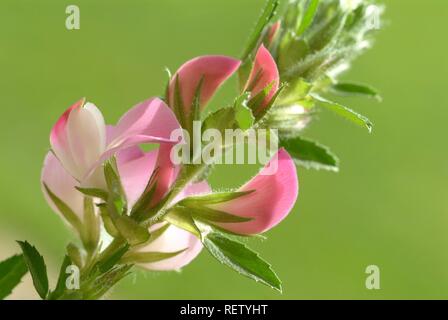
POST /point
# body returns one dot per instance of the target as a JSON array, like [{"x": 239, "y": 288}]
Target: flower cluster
[
  {"x": 82, "y": 143},
  {"x": 135, "y": 207}
]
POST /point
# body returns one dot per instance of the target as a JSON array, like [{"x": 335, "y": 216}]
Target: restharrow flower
[{"x": 270, "y": 202}]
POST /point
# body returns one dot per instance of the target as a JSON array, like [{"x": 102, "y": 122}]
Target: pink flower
[
  {"x": 214, "y": 70},
  {"x": 80, "y": 142},
  {"x": 272, "y": 198}
]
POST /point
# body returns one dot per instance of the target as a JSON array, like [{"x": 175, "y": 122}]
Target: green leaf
[
  {"x": 254, "y": 40},
  {"x": 244, "y": 115},
  {"x": 113, "y": 182},
  {"x": 148, "y": 257},
  {"x": 211, "y": 215},
  {"x": 355, "y": 89},
  {"x": 214, "y": 198},
  {"x": 61, "y": 284},
  {"x": 93, "y": 192},
  {"x": 12, "y": 271},
  {"x": 310, "y": 154},
  {"x": 221, "y": 120},
  {"x": 308, "y": 17},
  {"x": 36, "y": 265},
  {"x": 263, "y": 21},
  {"x": 345, "y": 112},
  {"x": 178, "y": 103},
  {"x": 71, "y": 217},
  {"x": 265, "y": 111},
  {"x": 241, "y": 259}
]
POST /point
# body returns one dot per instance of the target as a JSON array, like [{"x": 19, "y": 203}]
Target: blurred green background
[{"x": 388, "y": 206}]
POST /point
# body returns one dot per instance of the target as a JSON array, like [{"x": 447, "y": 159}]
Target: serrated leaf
[
  {"x": 221, "y": 120},
  {"x": 61, "y": 284},
  {"x": 37, "y": 267},
  {"x": 345, "y": 112},
  {"x": 12, "y": 271},
  {"x": 310, "y": 154},
  {"x": 69, "y": 215},
  {"x": 355, "y": 89},
  {"x": 149, "y": 257},
  {"x": 241, "y": 259}
]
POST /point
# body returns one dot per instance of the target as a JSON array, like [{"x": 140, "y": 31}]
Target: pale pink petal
[
  {"x": 273, "y": 198},
  {"x": 151, "y": 118},
  {"x": 62, "y": 184},
  {"x": 135, "y": 169},
  {"x": 214, "y": 70},
  {"x": 86, "y": 133},
  {"x": 59, "y": 140},
  {"x": 194, "y": 189},
  {"x": 149, "y": 122},
  {"x": 263, "y": 74},
  {"x": 173, "y": 239}
]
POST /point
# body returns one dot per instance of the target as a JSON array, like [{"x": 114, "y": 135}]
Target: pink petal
[
  {"x": 59, "y": 140},
  {"x": 215, "y": 70},
  {"x": 61, "y": 184},
  {"x": 151, "y": 118},
  {"x": 149, "y": 122},
  {"x": 270, "y": 203},
  {"x": 173, "y": 240},
  {"x": 135, "y": 169},
  {"x": 262, "y": 75},
  {"x": 194, "y": 189}
]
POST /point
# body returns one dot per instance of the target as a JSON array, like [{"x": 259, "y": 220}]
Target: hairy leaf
[
  {"x": 241, "y": 259},
  {"x": 310, "y": 154},
  {"x": 345, "y": 112}
]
